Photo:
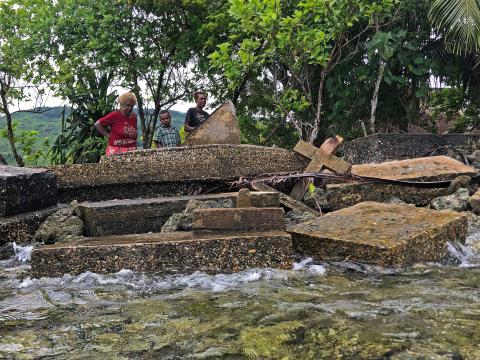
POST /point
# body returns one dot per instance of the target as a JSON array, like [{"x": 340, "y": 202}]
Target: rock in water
[{"x": 60, "y": 226}]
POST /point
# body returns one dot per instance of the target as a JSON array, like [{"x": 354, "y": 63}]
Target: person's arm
[{"x": 102, "y": 130}]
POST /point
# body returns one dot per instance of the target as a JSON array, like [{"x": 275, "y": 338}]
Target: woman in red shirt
[{"x": 122, "y": 136}]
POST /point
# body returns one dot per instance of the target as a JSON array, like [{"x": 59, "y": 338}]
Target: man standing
[
  {"x": 166, "y": 135},
  {"x": 196, "y": 115}
]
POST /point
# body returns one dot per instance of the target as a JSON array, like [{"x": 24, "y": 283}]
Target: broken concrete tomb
[
  {"x": 380, "y": 234},
  {"x": 435, "y": 168},
  {"x": 176, "y": 252},
  {"x": 134, "y": 216}
]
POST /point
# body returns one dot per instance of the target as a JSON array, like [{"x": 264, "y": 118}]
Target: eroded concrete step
[
  {"x": 177, "y": 252},
  {"x": 435, "y": 168},
  {"x": 135, "y": 216},
  {"x": 381, "y": 234},
  {"x": 25, "y": 189}
]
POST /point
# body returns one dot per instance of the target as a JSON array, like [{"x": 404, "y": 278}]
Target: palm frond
[{"x": 459, "y": 20}]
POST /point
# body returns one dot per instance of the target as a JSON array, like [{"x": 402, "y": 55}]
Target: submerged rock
[
  {"x": 458, "y": 201},
  {"x": 183, "y": 221},
  {"x": 62, "y": 225}
]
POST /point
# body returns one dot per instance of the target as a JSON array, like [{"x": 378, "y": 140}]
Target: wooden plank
[{"x": 286, "y": 200}]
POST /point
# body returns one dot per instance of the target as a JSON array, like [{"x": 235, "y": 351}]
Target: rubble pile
[{"x": 148, "y": 210}]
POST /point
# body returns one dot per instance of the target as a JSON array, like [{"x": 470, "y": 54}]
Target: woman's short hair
[
  {"x": 199, "y": 92},
  {"x": 127, "y": 96}
]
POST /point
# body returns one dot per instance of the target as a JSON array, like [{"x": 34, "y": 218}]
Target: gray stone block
[{"x": 386, "y": 147}]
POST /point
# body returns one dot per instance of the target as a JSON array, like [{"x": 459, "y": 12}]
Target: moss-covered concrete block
[
  {"x": 381, "y": 234},
  {"x": 177, "y": 252}
]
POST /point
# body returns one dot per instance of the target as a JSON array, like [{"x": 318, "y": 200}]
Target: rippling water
[{"x": 314, "y": 311}]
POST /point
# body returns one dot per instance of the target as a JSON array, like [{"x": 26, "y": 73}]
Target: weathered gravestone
[
  {"x": 238, "y": 219},
  {"x": 25, "y": 189},
  {"x": 172, "y": 171},
  {"x": 221, "y": 127},
  {"x": 381, "y": 234}
]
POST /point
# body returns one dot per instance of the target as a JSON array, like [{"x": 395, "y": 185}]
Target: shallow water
[{"x": 314, "y": 311}]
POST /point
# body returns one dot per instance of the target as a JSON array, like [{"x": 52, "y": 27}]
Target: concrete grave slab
[
  {"x": 221, "y": 127},
  {"x": 237, "y": 219},
  {"x": 381, "y": 234},
  {"x": 131, "y": 216},
  {"x": 26, "y": 189},
  {"x": 177, "y": 252},
  {"x": 432, "y": 168},
  {"x": 435, "y": 168},
  {"x": 182, "y": 164},
  {"x": 340, "y": 196}
]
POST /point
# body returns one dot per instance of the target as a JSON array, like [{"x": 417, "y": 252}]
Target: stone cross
[{"x": 322, "y": 158}]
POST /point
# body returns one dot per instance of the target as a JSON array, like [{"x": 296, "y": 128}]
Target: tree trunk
[
  {"x": 374, "y": 101},
  {"x": 10, "y": 136},
  {"x": 316, "y": 124}
]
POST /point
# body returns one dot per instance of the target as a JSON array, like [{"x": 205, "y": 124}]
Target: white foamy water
[{"x": 23, "y": 253}]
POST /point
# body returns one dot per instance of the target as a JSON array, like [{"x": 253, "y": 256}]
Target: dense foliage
[{"x": 294, "y": 68}]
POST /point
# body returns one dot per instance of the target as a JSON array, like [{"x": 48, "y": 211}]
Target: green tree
[
  {"x": 146, "y": 49},
  {"x": 293, "y": 46},
  {"x": 16, "y": 74}
]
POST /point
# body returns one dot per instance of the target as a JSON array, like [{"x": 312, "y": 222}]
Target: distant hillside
[{"x": 49, "y": 124}]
